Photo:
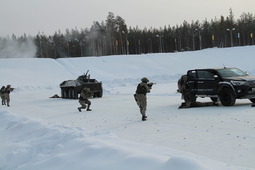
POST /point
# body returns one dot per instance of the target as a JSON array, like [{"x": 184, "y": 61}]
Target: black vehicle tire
[
  {"x": 252, "y": 100},
  {"x": 76, "y": 95},
  {"x": 99, "y": 94},
  {"x": 214, "y": 99},
  {"x": 227, "y": 97},
  {"x": 71, "y": 93},
  {"x": 64, "y": 93}
]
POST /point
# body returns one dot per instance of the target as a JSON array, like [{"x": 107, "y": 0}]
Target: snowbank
[
  {"x": 29, "y": 144},
  {"x": 121, "y": 70}
]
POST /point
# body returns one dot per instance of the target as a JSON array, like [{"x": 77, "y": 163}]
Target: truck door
[
  {"x": 206, "y": 82},
  {"x": 192, "y": 81}
]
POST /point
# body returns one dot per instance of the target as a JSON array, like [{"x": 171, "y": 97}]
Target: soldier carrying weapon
[
  {"x": 7, "y": 92},
  {"x": 83, "y": 99},
  {"x": 140, "y": 96}
]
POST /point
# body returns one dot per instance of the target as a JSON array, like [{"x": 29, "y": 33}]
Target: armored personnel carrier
[{"x": 70, "y": 89}]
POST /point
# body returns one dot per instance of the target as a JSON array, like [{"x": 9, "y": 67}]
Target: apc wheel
[
  {"x": 99, "y": 94},
  {"x": 227, "y": 97}
]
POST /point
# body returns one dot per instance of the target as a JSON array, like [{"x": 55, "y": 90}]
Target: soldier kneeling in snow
[
  {"x": 83, "y": 99},
  {"x": 190, "y": 100}
]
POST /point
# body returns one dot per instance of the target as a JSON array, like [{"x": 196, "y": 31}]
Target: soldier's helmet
[
  {"x": 8, "y": 86},
  {"x": 144, "y": 79},
  {"x": 86, "y": 89}
]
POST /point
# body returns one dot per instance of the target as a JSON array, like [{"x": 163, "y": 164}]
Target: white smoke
[{"x": 10, "y": 48}]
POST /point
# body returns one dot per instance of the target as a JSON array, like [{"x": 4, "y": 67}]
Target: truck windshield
[{"x": 231, "y": 72}]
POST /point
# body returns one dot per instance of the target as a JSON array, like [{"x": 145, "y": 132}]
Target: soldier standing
[
  {"x": 2, "y": 95},
  {"x": 140, "y": 96},
  {"x": 83, "y": 99},
  {"x": 7, "y": 92}
]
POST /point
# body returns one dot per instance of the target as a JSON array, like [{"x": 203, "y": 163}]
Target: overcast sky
[{"x": 48, "y": 16}]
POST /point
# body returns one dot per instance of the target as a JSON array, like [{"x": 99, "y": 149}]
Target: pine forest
[{"x": 113, "y": 37}]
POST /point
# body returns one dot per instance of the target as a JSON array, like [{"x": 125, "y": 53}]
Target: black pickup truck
[{"x": 220, "y": 84}]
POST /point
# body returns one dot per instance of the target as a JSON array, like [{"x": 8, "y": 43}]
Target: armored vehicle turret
[{"x": 70, "y": 89}]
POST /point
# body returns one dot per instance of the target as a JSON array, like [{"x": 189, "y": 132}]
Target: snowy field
[{"x": 38, "y": 132}]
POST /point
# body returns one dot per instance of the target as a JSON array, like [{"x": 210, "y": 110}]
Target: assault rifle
[{"x": 150, "y": 84}]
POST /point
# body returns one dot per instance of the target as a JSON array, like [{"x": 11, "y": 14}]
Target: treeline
[{"x": 113, "y": 37}]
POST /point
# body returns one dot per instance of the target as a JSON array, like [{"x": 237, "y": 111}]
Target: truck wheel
[
  {"x": 214, "y": 99},
  {"x": 227, "y": 97}
]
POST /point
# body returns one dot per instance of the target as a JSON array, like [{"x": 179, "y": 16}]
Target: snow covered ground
[{"x": 38, "y": 132}]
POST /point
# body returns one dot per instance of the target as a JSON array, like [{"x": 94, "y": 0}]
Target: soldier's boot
[
  {"x": 88, "y": 109},
  {"x": 82, "y": 107},
  {"x": 144, "y": 118},
  {"x": 185, "y": 105}
]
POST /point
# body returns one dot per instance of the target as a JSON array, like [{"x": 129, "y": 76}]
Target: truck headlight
[{"x": 238, "y": 83}]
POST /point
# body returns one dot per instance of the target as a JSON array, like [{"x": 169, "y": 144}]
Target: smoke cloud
[{"x": 10, "y": 48}]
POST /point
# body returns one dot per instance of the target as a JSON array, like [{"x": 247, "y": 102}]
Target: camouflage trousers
[
  {"x": 84, "y": 103},
  {"x": 3, "y": 99},
  {"x": 7, "y": 98},
  {"x": 141, "y": 101}
]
